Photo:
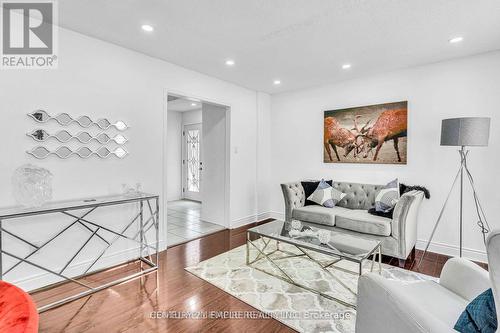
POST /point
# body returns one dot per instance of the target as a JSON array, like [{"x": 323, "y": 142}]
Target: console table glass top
[
  {"x": 142, "y": 228},
  {"x": 73, "y": 204}
]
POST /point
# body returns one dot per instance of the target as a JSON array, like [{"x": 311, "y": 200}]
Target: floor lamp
[{"x": 463, "y": 133}]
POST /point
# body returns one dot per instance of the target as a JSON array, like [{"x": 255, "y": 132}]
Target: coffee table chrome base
[{"x": 262, "y": 254}]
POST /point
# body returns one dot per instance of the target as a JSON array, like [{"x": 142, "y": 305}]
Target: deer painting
[{"x": 362, "y": 131}]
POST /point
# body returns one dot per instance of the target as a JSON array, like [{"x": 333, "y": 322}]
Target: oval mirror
[
  {"x": 84, "y": 137},
  {"x": 103, "y": 123},
  {"x": 120, "y": 152},
  {"x": 120, "y": 125},
  {"x": 63, "y": 152},
  {"x": 120, "y": 139},
  {"x": 39, "y": 152},
  {"x": 40, "y": 116},
  {"x": 39, "y": 135},
  {"x": 85, "y": 121},
  {"x": 103, "y": 152},
  {"x": 63, "y": 136},
  {"x": 64, "y": 119},
  {"x": 102, "y": 138},
  {"x": 84, "y": 152}
]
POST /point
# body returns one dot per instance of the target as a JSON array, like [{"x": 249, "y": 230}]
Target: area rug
[{"x": 295, "y": 307}]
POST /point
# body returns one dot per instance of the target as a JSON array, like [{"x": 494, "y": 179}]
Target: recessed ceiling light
[
  {"x": 193, "y": 104},
  {"x": 456, "y": 40},
  {"x": 147, "y": 28},
  {"x": 230, "y": 62},
  {"x": 276, "y": 82},
  {"x": 346, "y": 66}
]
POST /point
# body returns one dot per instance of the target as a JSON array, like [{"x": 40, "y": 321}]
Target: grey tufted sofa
[{"x": 398, "y": 235}]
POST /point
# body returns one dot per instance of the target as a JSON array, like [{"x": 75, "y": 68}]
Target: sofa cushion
[
  {"x": 317, "y": 214},
  {"x": 361, "y": 221}
]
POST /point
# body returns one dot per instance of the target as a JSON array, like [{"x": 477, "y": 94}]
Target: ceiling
[
  {"x": 303, "y": 43},
  {"x": 180, "y": 104}
]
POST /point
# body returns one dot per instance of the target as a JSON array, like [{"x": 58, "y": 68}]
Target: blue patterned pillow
[
  {"x": 479, "y": 316},
  {"x": 326, "y": 195},
  {"x": 387, "y": 197}
]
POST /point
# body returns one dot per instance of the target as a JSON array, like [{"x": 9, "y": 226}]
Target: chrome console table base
[{"x": 92, "y": 229}]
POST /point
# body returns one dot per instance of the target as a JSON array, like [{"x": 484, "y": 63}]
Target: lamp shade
[{"x": 467, "y": 131}]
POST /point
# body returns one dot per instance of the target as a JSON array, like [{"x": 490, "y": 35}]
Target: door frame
[
  {"x": 227, "y": 200},
  {"x": 184, "y": 164}
]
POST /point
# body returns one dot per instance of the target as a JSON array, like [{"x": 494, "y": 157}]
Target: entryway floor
[{"x": 184, "y": 222}]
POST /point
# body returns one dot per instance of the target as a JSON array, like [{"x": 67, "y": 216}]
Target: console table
[{"x": 146, "y": 218}]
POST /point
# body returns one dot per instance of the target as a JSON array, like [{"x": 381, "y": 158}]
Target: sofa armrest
[
  {"x": 464, "y": 278},
  {"x": 384, "y": 307},
  {"x": 404, "y": 221},
  {"x": 294, "y": 196}
]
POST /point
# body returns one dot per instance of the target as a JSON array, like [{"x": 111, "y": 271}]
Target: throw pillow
[
  {"x": 326, "y": 195},
  {"x": 403, "y": 188},
  {"x": 309, "y": 188},
  {"x": 479, "y": 316},
  {"x": 387, "y": 197}
]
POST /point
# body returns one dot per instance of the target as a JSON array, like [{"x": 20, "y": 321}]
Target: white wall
[
  {"x": 174, "y": 155},
  {"x": 213, "y": 176},
  {"x": 465, "y": 87},
  {"x": 263, "y": 155},
  {"x": 103, "y": 80},
  {"x": 191, "y": 117}
]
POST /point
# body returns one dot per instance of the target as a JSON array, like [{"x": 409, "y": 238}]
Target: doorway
[
  {"x": 196, "y": 167},
  {"x": 192, "y": 164}
]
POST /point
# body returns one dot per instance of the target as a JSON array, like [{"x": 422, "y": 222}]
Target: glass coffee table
[{"x": 307, "y": 238}]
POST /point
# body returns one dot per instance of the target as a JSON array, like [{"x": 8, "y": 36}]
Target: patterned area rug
[{"x": 295, "y": 307}]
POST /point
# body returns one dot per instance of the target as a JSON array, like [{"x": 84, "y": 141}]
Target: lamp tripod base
[{"x": 463, "y": 170}]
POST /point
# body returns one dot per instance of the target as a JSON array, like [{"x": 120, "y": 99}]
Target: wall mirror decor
[
  {"x": 64, "y": 136},
  {"x": 83, "y": 152},
  {"x": 65, "y": 119}
]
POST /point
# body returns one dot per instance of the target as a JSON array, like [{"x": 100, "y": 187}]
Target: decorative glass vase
[{"x": 32, "y": 185}]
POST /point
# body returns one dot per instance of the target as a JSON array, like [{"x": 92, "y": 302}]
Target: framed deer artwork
[{"x": 366, "y": 134}]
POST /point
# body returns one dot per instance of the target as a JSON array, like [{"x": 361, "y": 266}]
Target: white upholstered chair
[{"x": 387, "y": 306}]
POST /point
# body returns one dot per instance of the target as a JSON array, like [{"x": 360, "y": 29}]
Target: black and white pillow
[
  {"x": 310, "y": 187},
  {"x": 387, "y": 197},
  {"x": 326, "y": 195}
]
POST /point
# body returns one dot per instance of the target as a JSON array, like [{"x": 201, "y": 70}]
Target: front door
[{"x": 191, "y": 162}]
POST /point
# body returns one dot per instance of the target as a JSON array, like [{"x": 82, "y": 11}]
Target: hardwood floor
[{"x": 127, "y": 307}]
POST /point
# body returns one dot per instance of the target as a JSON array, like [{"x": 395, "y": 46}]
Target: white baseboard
[
  {"x": 453, "y": 250},
  {"x": 243, "y": 221},
  {"x": 36, "y": 281},
  {"x": 263, "y": 216},
  {"x": 254, "y": 218},
  {"x": 277, "y": 215}
]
